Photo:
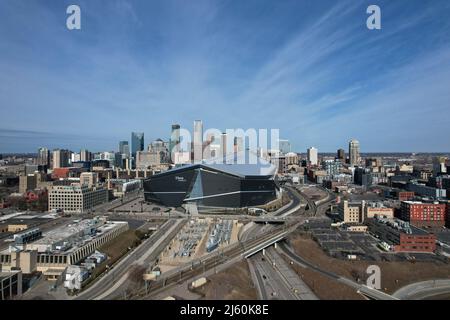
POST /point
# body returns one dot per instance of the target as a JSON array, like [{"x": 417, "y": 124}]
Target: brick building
[
  {"x": 405, "y": 195},
  {"x": 423, "y": 214},
  {"x": 401, "y": 236}
]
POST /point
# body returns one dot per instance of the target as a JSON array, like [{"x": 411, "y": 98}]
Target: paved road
[
  {"x": 116, "y": 279},
  {"x": 214, "y": 260},
  {"x": 293, "y": 208},
  {"x": 121, "y": 269},
  {"x": 146, "y": 260},
  {"x": 423, "y": 290},
  {"x": 270, "y": 281},
  {"x": 315, "y": 208},
  {"x": 284, "y": 274},
  {"x": 104, "y": 207},
  {"x": 285, "y": 249},
  {"x": 360, "y": 288},
  {"x": 277, "y": 283},
  {"x": 253, "y": 262}
]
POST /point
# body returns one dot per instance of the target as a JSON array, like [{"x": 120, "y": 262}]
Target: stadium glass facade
[{"x": 209, "y": 186}]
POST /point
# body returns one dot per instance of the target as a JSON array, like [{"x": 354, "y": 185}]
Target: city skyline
[
  {"x": 317, "y": 73},
  {"x": 148, "y": 142},
  {"x": 224, "y": 150}
]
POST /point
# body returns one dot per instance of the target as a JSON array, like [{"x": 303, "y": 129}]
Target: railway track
[{"x": 196, "y": 268}]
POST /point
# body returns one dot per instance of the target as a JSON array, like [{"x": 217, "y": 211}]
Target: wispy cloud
[{"x": 311, "y": 69}]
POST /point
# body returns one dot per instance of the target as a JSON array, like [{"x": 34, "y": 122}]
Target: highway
[
  {"x": 119, "y": 272},
  {"x": 360, "y": 288},
  {"x": 315, "y": 208},
  {"x": 277, "y": 280},
  {"x": 423, "y": 290},
  {"x": 255, "y": 265},
  {"x": 273, "y": 278},
  {"x": 318, "y": 209},
  {"x": 212, "y": 260},
  {"x": 294, "y": 207},
  {"x": 270, "y": 282},
  {"x": 113, "y": 283}
]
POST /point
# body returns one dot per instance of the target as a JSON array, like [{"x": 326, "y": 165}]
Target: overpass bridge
[
  {"x": 265, "y": 244},
  {"x": 374, "y": 293},
  {"x": 272, "y": 220}
]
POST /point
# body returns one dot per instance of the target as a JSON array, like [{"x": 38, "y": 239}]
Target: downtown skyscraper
[
  {"x": 174, "y": 141},
  {"x": 61, "y": 158},
  {"x": 43, "y": 158},
  {"x": 198, "y": 141},
  {"x": 312, "y": 156},
  {"x": 124, "y": 148},
  {"x": 137, "y": 142},
  {"x": 353, "y": 152}
]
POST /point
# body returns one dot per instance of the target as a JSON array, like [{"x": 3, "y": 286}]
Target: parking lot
[
  {"x": 339, "y": 244},
  {"x": 139, "y": 205}
]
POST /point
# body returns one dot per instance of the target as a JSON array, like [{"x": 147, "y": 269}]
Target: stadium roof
[{"x": 243, "y": 164}]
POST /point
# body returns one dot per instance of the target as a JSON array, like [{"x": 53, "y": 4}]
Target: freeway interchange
[
  {"x": 271, "y": 275},
  {"x": 112, "y": 284}
]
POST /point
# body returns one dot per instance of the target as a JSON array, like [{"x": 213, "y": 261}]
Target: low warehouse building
[{"x": 68, "y": 245}]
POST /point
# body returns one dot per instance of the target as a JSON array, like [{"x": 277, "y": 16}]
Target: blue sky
[{"x": 310, "y": 68}]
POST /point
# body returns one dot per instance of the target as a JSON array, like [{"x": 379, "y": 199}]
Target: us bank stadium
[{"x": 212, "y": 186}]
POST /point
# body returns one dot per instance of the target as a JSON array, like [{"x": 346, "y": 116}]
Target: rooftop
[
  {"x": 420, "y": 202},
  {"x": 401, "y": 226},
  {"x": 230, "y": 164},
  {"x": 65, "y": 232}
]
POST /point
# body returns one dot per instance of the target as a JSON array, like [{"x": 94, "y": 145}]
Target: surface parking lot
[
  {"x": 139, "y": 205},
  {"x": 339, "y": 244}
]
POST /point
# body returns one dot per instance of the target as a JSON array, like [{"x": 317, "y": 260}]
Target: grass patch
[
  {"x": 115, "y": 249},
  {"x": 394, "y": 274}
]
